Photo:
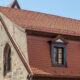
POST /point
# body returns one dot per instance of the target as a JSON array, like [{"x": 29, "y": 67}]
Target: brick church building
[{"x": 38, "y": 46}]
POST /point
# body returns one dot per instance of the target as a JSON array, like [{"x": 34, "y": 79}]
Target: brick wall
[{"x": 40, "y": 57}]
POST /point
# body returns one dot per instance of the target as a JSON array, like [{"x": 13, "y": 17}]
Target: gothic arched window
[{"x": 7, "y": 59}]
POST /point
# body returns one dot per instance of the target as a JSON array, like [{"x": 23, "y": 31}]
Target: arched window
[{"x": 7, "y": 59}]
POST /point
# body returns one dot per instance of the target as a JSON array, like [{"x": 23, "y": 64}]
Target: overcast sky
[{"x": 65, "y": 8}]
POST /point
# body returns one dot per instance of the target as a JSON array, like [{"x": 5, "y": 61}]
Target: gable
[
  {"x": 14, "y": 4},
  {"x": 16, "y": 63},
  {"x": 59, "y": 41},
  {"x": 15, "y": 40}
]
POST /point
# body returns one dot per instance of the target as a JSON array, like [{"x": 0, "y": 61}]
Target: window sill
[{"x": 60, "y": 66}]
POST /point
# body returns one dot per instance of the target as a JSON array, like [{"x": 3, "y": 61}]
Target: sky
[{"x": 65, "y": 8}]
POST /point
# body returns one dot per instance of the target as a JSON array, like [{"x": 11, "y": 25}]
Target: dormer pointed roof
[
  {"x": 14, "y": 4},
  {"x": 59, "y": 40}
]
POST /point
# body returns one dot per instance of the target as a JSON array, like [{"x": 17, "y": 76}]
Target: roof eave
[{"x": 53, "y": 76}]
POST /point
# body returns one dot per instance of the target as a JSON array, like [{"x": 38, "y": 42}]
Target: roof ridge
[
  {"x": 41, "y": 13},
  {"x": 34, "y": 20}
]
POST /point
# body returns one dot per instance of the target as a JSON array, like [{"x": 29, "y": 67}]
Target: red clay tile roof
[
  {"x": 42, "y": 22},
  {"x": 40, "y": 58}
]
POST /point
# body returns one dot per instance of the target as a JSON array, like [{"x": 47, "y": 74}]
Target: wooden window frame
[
  {"x": 61, "y": 45},
  {"x": 59, "y": 56},
  {"x": 52, "y": 55}
]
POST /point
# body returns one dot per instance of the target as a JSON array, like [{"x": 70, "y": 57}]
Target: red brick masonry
[{"x": 40, "y": 58}]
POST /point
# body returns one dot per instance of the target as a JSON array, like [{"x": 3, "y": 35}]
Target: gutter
[
  {"x": 32, "y": 77},
  {"x": 56, "y": 76}
]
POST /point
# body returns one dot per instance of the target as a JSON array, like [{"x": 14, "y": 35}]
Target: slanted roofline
[
  {"x": 59, "y": 37},
  {"x": 14, "y": 4},
  {"x": 40, "y": 22},
  {"x": 17, "y": 26},
  {"x": 16, "y": 48}
]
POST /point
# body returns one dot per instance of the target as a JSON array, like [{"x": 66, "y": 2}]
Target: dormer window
[
  {"x": 58, "y": 55},
  {"x": 58, "y": 51}
]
